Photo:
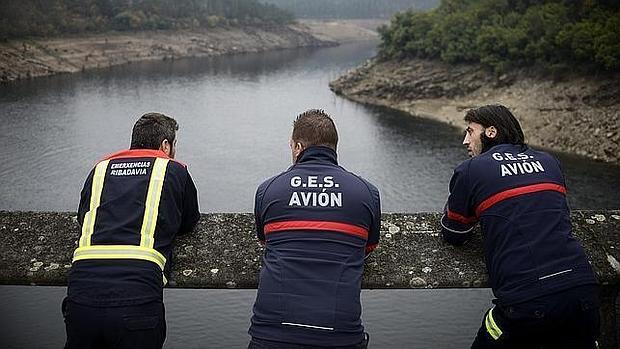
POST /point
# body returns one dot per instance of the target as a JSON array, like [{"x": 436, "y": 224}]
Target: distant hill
[
  {"x": 54, "y": 17},
  {"x": 504, "y": 34},
  {"x": 350, "y": 8}
]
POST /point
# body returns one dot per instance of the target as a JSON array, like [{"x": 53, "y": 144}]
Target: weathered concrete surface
[{"x": 36, "y": 249}]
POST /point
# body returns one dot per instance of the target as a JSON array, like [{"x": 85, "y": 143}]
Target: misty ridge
[
  {"x": 26, "y": 18},
  {"x": 351, "y": 8},
  {"x": 58, "y": 17}
]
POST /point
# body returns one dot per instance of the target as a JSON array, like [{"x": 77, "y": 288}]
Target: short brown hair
[
  {"x": 315, "y": 127},
  {"x": 151, "y": 129}
]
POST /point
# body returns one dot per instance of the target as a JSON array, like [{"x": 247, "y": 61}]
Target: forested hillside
[
  {"x": 350, "y": 8},
  {"x": 506, "y": 33},
  {"x": 53, "y": 17}
]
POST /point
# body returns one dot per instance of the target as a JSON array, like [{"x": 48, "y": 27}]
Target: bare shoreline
[
  {"x": 578, "y": 114},
  {"x": 36, "y": 57},
  {"x": 25, "y": 59}
]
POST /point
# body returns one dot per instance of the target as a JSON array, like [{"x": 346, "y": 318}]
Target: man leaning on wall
[
  {"x": 546, "y": 291},
  {"x": 132, "y": 206},
  {"x": 318, "y": 222}
]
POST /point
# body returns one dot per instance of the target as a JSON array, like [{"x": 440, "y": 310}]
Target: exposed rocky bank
[
  {"x": 24, "y": 59},
  {"x": 577, "y": 114}
]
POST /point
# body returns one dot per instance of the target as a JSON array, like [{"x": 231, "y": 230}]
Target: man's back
[
  {"x": 518, "y": 195},
  {"x": 144, "y": 200},
  {"x": 132, "y": 205},
  {"x": 545, "y": 287},
  {"x": 318, "y": 222}
]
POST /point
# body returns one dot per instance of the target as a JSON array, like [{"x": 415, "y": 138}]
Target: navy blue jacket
[
  {"x": 124, "y": 258},
  {"x": 318, "y": 222},
  {"x": 519, "y": 196}
]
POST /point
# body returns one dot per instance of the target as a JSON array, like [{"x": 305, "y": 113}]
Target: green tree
[
  {"x": 52, "y": 17},
  {"x": 507, "y": 33}
]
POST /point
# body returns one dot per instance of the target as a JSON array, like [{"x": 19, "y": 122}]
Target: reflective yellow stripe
[
  {"x": 492, "y": 327},
  {"x": 95, "y": 199},
  {"x": 151, "y": 206},
  {"x": 119, "y": 252},
  {"x": 147, "y": 240}
]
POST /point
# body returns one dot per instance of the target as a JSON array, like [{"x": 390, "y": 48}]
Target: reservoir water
[{"x": 235, "y": 115}]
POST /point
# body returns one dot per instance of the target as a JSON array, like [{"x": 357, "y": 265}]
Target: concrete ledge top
[{"x": 222, "y": 252}]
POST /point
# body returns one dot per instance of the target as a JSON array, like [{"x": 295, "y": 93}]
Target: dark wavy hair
[{"x": 508, "y": 128}]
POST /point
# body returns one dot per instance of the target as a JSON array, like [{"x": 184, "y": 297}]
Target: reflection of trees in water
[
  {"x": 248, "y": 67},
  {"x": 588, "y": 182}
]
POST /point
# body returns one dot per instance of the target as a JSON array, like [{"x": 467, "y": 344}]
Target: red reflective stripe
[
  {"x": 140, "y": 153},
  {"x": 460, "y": 218},
  {"x": 317, "y": 225},
  {"x": 371, "y": 248},
  {"x": 510, "y": 193}
]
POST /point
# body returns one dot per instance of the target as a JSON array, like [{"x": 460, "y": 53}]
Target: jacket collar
[
  {"x": 317, "y": 153},
  {"x": 521, "y": 147},
  {"x": 137, "y": 153}
]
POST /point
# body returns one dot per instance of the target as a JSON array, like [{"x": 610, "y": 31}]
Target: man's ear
[
  {"x": 165, "y": 146},
  {"x": 490, "y": 132},
  {"x": 297, "y": 148}
]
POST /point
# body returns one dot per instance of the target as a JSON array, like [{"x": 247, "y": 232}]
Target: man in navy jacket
[
  {"x": 545, "y": 287},
  {"x": 133, "y": 204},
  {"x": 318, "y": 222}
]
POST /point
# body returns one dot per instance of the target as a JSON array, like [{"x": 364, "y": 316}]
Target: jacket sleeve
[
  {"x": 191, "y": 212},
  {"x": 258, "y": 219},
  {"x": 458, "y": 220},
  {"x": 84, "y": 205},
  {"x": 375, "y": 228},
  {"x": 562, "y": 176}
]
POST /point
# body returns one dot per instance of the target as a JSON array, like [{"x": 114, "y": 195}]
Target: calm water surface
[{"x": 235, "y": 115}]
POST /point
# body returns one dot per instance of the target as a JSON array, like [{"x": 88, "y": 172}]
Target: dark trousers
[
  {"x": 135, "y": 327},
  {"x": 257, "y": 343},
  {"x": 565, "y": 320}
]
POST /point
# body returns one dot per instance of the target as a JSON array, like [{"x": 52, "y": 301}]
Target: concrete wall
[{"x": 222, "y": 252}]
